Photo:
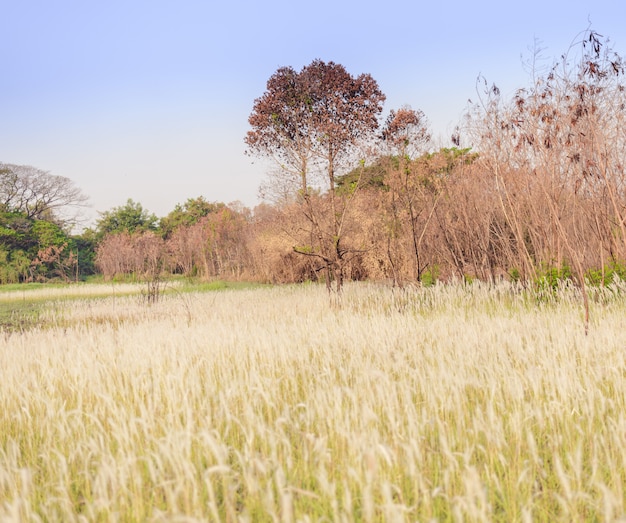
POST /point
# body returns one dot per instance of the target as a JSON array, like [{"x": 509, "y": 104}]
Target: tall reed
[{"x": 454, "y": 402}]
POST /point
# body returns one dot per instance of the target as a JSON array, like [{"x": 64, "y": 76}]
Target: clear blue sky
[{"x": 149, "y": 99}]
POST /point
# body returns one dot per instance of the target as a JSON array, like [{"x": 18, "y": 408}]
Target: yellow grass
[
  {"x": 75, "y": 290},
  {"x": 448, "y": 404}
]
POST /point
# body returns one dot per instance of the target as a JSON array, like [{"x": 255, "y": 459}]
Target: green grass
[
  {"x": 22, "y": 305},
  {"x": 25, "y": 287},
  {"x": 19, "y": 316},
  {"x": 216, "y": 285}
]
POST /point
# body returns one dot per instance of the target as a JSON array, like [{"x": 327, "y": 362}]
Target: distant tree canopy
[
  {"x": 192, "y": 211},
  {"x": 34, "y": 249},
  {"x": 35, "y": 218},
  {"x": 130, "y": 217},
  {"x": 198, "y": 238},
  {"x": 376, "y": 174},
  {"x": 38, "y": 194}
]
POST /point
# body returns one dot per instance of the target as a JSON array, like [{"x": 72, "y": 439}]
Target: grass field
[{"x": 449, "y": 403}]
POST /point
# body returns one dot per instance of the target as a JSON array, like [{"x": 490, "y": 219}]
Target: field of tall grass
[{"x": 449, "y": 403}]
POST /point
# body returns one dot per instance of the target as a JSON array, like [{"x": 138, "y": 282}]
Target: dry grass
[
  {"x": 74, "y": 290},
  {"x": 449, "y": 403}
]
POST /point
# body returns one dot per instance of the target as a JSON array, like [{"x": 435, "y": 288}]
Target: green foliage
[
  {"x": 452, "y": 156},
  {"x": 430, "y": 276},
  {"x": 191, "y": 212},
  {"x": 550, "y": 278},
  {"x": 192, "y": 285},
  {"x": 32, "y": 248},
  {"x": 374, "y": 176},
  {"x": 303, "y": 249},
  {"x": 607, "y": 275},
  {"x": 85, "y": 247},
  {"x": 19, "y": 316},
  {"x": 48, "y": 234},
  {"x": 14, "y": 265},
  {"x": 369, "y": 176},
  {"x": 15, "y": 231},
  {"x": 130, "y": 217},
  {"x": 515, "y": 274}
]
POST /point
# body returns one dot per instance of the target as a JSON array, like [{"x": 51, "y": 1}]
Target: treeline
[
  {"x": 533, "y": 187},
  {"x": 36, "y": 215},
  {"x": 197, "y": 239}
]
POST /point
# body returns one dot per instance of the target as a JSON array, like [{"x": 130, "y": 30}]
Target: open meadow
[{"x": 446, "y": 403}]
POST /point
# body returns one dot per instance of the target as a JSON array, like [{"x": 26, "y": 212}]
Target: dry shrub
[
  {"x": 143, "y": 255},
  {"x": 213, "y": 247},
  {"x": 555, "y": 153}
]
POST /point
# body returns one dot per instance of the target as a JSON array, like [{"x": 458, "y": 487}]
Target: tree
[
  {"x": 213, "y": 245},
  {"x": 310, "y": 122},
  {"x": 54, "y": 262},
  {"x": 406, "y": 132},
  {"x": 130, "y": 217},
  {"x": 192, "y": 211},
  {"x": 406, "y": 135},
  {"x": 38, "y": 194},
  {"x": 35, "y": 249}
]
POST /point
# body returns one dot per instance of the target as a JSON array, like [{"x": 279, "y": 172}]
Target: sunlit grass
[
  {"x": 36, "y": 292},
  {"x": 449, "y": 403}
]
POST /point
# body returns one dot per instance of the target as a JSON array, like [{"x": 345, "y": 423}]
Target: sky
[{"x": 149, "y": 99}]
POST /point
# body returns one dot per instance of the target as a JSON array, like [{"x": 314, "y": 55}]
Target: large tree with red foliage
[{"x": 309, "y": 121}]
